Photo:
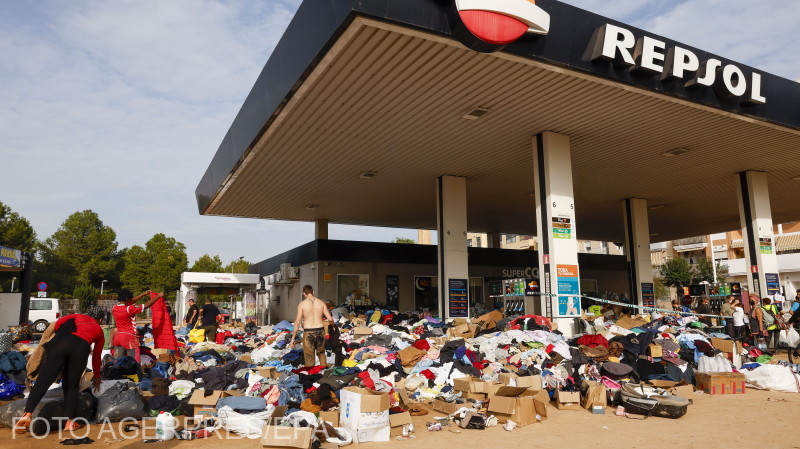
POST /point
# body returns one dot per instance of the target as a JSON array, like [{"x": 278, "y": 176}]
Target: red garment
[
  {"x": 309, "y": 370},
  {"x": 428, "y": 374},
  {"x": 125, "y": 316},
  {"x": 163, "y": 334},
  {"x": 89, "y": 330},
  {"x": 366, "y": 381},
  {"x": 220, "y": 338},
  {"x": 593, "y": 341},
  {"x": 422, "y": 344}
]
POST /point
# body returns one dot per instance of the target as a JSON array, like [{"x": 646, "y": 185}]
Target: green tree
[
  {"x": 84, "y": 294},
  {"x": 704, "y": 272},
  {"x": 722, "y": 273},
  {"x": 238, "y": 266},
  {"x": 404, "y": 240},
  {"x": 207, "y": 264},
  {"x": 82, "y": 251},
  {"x": 677, "y": 273},
  {"x": 15, "y": 230},
  {"x": 157, "y": 266}
]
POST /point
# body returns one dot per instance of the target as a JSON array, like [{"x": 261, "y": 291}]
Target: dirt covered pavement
[{"x": 712, "y": 422}]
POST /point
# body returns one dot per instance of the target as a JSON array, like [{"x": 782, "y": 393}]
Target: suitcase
[{"x": 640, "y": 399}]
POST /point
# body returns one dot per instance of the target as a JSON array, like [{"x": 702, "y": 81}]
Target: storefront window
[{"x": 426, "y": 293}]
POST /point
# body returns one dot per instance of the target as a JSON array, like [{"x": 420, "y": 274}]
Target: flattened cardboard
[
  {"x": 376, "y": 434},
  {"x": 270, "y": 372},
  {"x": 246, "y": 359},
  {"x": 362, "y": 330},
  {"x": 398, "y": 421},
  {"x": 286, "y": 437}
]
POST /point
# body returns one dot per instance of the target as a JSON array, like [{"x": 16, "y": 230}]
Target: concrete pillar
[
  {"x": 451, "y": 227},
  {"x": 493, "y": 240},
  {"x": 637, "y": 252},
  {"x": 321, "y": 229},
  {"x": 555, "y": 223},
  {"x": 755, "y": 214}
]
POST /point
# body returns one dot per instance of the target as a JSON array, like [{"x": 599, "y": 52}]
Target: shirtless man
[{"x": 310, "y": 313}]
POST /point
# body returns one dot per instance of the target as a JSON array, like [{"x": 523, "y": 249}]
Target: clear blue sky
[{"x": 119, "y": 106}]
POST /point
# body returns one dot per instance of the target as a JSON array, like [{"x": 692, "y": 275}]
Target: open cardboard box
[
  {"x": 397, "y": 422},
  {"x": 519, "y": 404},
  {"x": 331, "y": 417},
  {"x": 512, "y": 380},
  {"x": 469, "y": 384},
  {"x": 206, "y": 406},
  {"x": 448, "y": 408},
  {"x": 725, "y": 345},
  {"x": 568, "y": 400},
  {"x": 593, "y": 394}
]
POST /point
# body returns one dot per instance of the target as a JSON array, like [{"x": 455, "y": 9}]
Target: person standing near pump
[
  {"x": 777, "y": 300},
  {"x": 770, "y": 312},
  {"x": 67, "y": 354},
  {"x": 311, "y": 313},
  {"x": 191, "y": 314},
  {"x": 727, "y": 312},
  {"x": 208, "y": 320},
  {"x": 738, "y": 320},
  {"x": 124, "y": 314}
]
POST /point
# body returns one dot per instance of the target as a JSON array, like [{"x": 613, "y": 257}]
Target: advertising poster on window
[
  {"x": 250, "y": 306},
  {"x": 392, "y": 291},
  {"x": 459, "y": 301},
  {"x": 569, "y": 292},
  {"x": 773, "y": 283}
]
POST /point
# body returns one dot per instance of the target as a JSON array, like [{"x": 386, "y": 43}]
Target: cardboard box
[
  {"x": 593, "y": 394},
  {"x": 448, "y": 408},
  {"x": 720, "y": 383},
  {"x": 269, "y": 372},
  {"x": 655, "y": 350},
  {"x": 519, "y": 404},
  {"x": 489, "y": 320},
  {"x": 363, "y": 409},
  {"x": 331, "y": 417},
  {"x": 684, "y": 391},
  {"x": 492, "y": 388},
  {"x": 286, "y": 437},
  {"x": 398, "y": 422},
  {"x": 464, "y": 331},
  {"x": 474, "y": 396},
  {"x": 206, "y": 406},
  {"x": 568, "y": 400},
  {"x": 469, "y": 384},
  {"x": 246, "y": 359},
  {"x": 160, "y": 351},
  {"x": 512, "y": 380},
  {"x": 726, "y": 345},
  {"x": 362, "y": 331},
  {"x": 377, "y": 434}
]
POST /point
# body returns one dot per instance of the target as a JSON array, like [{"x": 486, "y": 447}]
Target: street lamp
[
  {"x": 12, "y": 283},
  {"x": 102, "y": 284},
  {"x": 234, "y": 263}
]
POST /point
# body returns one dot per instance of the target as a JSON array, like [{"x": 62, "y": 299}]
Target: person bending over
[{"x": 67, "y": 354}]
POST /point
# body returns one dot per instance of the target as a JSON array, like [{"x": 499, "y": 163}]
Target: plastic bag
[
  {"x": 248, "y": 426},
  {"x": 716, "y": 364},
  {"x": 773, "y": 378},
  {"x": 197, "y": 335},
  {"x": 789, "y": 338},
  {"x": 47, "y": 413},
  {"x": 119, "y": 402},
  {"x": 9, "y": 389}
]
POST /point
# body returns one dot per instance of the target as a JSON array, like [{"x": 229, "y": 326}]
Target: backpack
[{"x": 769, "y": 318}]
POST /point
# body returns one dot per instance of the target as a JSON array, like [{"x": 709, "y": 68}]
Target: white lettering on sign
[
  {"x": 649, "y": 55},
  {"x": 528, "y": 272}
]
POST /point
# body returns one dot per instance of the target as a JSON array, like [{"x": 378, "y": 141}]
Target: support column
[
  {"x": 555, "y": 223},
  {"x": 637, "y": 252},
  {"x": 755, "y": 214},
  {"x": 321, "y": 229},
  {"x": 493, "y": 240},
  {"x": 451, "y": 227}
]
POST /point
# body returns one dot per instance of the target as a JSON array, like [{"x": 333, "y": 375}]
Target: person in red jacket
[
  {"x": 125, "y": 315},
  {"x": 66, "y": 354}
]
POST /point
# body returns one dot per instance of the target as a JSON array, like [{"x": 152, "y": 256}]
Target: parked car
[{"x": 43, "y": 311}]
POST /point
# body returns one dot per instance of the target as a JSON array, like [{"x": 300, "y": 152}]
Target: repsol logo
[
  {"x": 528, "y": 272},
  {"x": 651, "y": 56}
]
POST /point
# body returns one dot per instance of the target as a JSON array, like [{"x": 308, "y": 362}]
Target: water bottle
[{"x": 165, "y": 426}]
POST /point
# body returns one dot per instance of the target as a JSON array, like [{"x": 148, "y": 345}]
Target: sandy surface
[{"x": 711, "y": 422}]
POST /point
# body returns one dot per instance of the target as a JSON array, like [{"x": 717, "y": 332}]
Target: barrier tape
[{"x": 632, "y": 306}]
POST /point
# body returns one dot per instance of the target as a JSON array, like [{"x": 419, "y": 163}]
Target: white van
[{"x": 43, "y": 311}]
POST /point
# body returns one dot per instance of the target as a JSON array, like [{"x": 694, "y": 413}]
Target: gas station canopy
[{"x": 362, "y": 105}]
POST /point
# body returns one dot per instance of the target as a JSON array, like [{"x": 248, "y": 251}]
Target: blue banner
[{"x": 10, "y": 258}]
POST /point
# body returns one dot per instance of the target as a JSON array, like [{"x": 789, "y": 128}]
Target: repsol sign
[
  {"x": 528, "y": 273},
  {"x": 651, "y": 56}
]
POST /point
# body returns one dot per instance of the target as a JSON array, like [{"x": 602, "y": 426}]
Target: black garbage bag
[
  {"x": 48, "y": 411},
  {"x": 119, "y": 402}
]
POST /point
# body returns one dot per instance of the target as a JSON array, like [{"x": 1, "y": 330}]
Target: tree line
[{"x": 83, "y": 252}]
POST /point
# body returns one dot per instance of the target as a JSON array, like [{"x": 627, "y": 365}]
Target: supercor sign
[{"x": 650, "y": 55}]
